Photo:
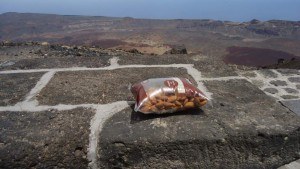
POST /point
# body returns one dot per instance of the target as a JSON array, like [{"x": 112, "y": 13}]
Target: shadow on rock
[{"x": 139, "y": 117}]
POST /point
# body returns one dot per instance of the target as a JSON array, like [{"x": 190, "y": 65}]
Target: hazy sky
[{"x": 234, "y": 10}]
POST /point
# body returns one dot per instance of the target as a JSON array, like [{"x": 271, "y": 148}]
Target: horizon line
[{"x": 1, "y": 13}]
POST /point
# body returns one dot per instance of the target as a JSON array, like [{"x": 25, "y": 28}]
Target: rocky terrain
[
  {"x": 208, "y": 37},
  {"x": 65, "y": 102}
]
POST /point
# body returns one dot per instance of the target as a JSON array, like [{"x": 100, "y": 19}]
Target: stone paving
[
  {"x": 280, "y": 84},
  {"x": 82, "y": 117}
]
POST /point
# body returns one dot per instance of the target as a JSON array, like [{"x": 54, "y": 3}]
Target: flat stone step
[{"x": 241, "y": 128}]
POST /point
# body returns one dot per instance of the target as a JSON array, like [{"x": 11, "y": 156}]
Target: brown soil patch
[
  {"x": 145, "y": 48},
  {"x": 249, "y": 56}
]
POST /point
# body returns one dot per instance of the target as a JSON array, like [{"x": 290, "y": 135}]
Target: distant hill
[
  {"x": 63, "y": 28},
  {"x": 206, "y": 37}
]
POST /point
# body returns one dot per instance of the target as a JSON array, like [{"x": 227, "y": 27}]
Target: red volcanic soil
[{"x": 255, "y": 56}]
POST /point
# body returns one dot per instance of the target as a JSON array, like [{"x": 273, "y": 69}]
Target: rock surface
[
  {"x": 177, "y": 49},
  {"x": 243, "y": 128},
  {"x": 37, "y": 56},
  {"x": 278, "y": 83},
  {"x": 293, "y": 165},
  {"x": 48, "y": 139},
  {"x": 100, "y": 86},
  {"x": 289, "y": 90},
  {"x": 14, "y": 87},
  {"x": 208, "y": 67},
  {"x": 293, "y": 105},
  {"x": 271, "y": 90},
  {"x": 79, "y": 117},
  {"x": 294, "y": 79},
  {"x": 268, "y": 73}
]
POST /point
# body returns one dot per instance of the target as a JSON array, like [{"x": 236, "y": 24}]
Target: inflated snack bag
[{"x": 166, "y": 95}]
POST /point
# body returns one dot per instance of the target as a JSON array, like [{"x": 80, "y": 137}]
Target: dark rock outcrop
[{"x": 177, "y": 49}]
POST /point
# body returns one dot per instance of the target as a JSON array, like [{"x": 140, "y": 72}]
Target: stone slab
[
  {"x": 249, "y": 74},
  {"x": 14, "y": 87},
  {"x": 293, "y": 105},
  {"x": 294, "y": 79},
  {"x": 209, "y": 67},
  {"x": 242, "y": 128},
  {"x": 215, "y": 68},
  {"x": 271, "y": 90},
  {"x": 289, "y": 71},
  {"x": 278, "y": 83},
  {"x": 267, "y": 73},
  {"x": 100, "y": 86},
  {"x": 291, "y": 90},
  {"x": 48, "y": 139}
]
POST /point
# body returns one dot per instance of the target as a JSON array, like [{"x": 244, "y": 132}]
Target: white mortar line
[
  {"x": 281, "y": 88},
  {"x": 224, "y": 78},
  {"x": 24, "y": 71},
  {"x": 113, "y": 67},
  {"x": 276, "y": 72},
  {"x": 103, "y": 113},
  {"x": 44, "y": 80},
  {"x": 266, "y": 83},
  {"x": 114, "y": 62},
  {"x": 32, "y": 107},
  {"x": 145, "y": 66},
  {"x": 286, "y": 77},
  {"x": 30, "y": 103},
  {"x": 198, "y": 78},
  {"x": 281, "y": 99}
]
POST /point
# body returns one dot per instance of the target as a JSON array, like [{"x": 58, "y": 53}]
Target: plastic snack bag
[{"x": 166, "y": 95}]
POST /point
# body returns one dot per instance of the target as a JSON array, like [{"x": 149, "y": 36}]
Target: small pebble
[{"x": 77, "y": 153}]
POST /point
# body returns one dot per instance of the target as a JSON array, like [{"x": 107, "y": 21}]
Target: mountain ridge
[{"x": 151, "y": 36}]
